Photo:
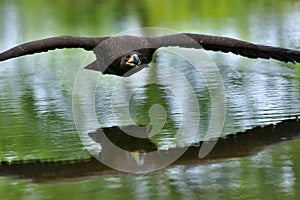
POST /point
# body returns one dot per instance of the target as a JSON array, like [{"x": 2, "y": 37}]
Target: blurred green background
[{"x": 36, "y": 119}]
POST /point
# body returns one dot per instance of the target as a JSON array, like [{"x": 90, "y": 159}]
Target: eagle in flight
[{"x": 125, "y": 55}]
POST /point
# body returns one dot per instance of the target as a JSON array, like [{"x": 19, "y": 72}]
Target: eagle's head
[
  {"x": 130, "y": 60},
  {"x": 126, "y": 64}
]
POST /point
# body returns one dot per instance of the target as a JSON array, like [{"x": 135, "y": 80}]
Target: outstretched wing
[
  {"x": 44, "y": 45},
  {"x": 214, "y": 43},
  {"x": 225, "y": 44},
  {"x": 246, "y": 49}
]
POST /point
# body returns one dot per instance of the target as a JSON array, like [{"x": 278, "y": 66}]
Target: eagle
[{"x": 126, "y": 54}]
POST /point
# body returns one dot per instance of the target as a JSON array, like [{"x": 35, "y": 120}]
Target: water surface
[{"x": 36, "y": 116}]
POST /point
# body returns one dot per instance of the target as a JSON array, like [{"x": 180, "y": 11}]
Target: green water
[{"x": 36, "y": 115}]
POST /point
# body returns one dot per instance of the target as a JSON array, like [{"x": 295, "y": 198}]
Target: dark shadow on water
[
  {"x": 128, "y": 142},
  {"x": 236, "y": 145}
]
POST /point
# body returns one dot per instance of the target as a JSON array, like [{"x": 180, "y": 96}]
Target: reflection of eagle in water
[{"x": 123, "y": 53}]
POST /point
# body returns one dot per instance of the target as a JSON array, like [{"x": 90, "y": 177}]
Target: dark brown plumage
[{"x": 113, "y": 53}]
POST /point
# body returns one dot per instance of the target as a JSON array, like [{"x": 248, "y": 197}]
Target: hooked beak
[{"x": 133, "y": 60}]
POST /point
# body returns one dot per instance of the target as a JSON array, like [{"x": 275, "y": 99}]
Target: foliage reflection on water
[{"x": 36, "y": 92}]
